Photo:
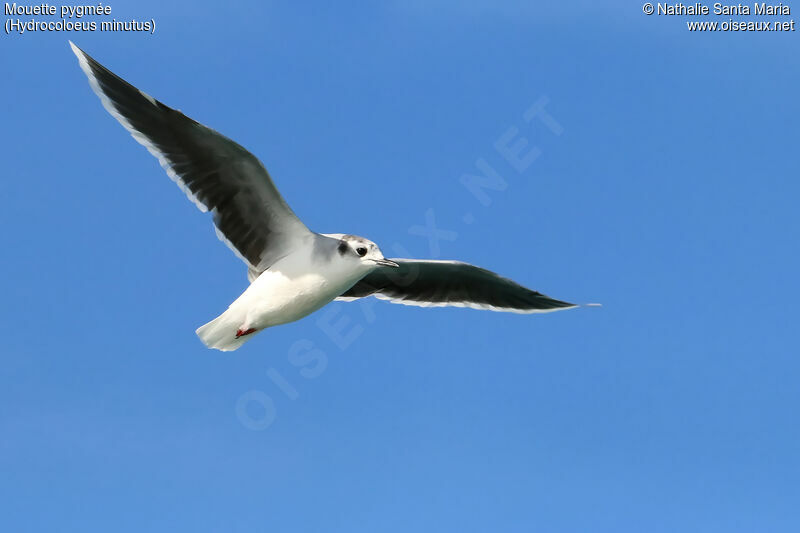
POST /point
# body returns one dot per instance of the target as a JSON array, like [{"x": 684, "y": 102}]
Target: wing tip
[
  {"x": 80, "y": 54},
  {"x": 568, "y": 305}
]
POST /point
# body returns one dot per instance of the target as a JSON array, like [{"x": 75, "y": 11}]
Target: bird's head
[{"x": 362, "y": 250}]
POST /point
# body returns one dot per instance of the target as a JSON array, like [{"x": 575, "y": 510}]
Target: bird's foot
[{"x": 241, "y": 333}]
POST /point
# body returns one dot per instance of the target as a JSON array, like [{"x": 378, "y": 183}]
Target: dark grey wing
[
  {"x": 451, "y": 283},
  {"x": 219, "y": 175}
]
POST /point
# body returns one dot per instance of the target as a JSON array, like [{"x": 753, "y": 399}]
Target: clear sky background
[{"x": 666, "y": 188}]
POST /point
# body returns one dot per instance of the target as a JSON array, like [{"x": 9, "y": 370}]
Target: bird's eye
[{"x": 361, "y": 251}]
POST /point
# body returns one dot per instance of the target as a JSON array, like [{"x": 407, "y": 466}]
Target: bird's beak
[{"x": 386, "y": 262}]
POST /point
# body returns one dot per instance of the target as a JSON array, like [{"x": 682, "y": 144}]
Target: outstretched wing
[
  {"x": 451, "y": 283},
  {"x": 219, "y": 175}
]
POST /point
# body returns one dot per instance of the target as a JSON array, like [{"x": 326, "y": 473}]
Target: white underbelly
[{"x": 275, "y": 298}]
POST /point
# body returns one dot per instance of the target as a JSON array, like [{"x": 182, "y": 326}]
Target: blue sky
[{"x": 665, "y": 188}]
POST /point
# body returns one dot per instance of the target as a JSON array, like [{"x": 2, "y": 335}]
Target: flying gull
[{"x": 293, "y": 271}]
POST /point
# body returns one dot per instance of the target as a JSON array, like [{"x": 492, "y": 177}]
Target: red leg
[{"x": 240, "y": 333}]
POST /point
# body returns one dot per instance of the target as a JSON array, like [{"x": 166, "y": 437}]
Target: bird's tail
[{"x": 220, "y": 333}]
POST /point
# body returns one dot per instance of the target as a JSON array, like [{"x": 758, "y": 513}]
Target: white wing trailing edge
[
  {"x": 432, "y": 283},
  {"x": 216, "y": 173}
]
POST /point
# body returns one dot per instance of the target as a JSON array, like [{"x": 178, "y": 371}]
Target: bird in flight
[{"x": 293, "y": 271}]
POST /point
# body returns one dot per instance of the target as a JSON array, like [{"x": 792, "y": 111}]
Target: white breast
[{"x": 294, "y": 287}]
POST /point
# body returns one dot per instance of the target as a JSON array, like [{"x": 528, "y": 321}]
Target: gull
[{"x": 292, "y": 270}]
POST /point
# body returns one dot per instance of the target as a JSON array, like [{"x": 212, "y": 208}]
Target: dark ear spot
[{"x": 342, "y": 249}]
